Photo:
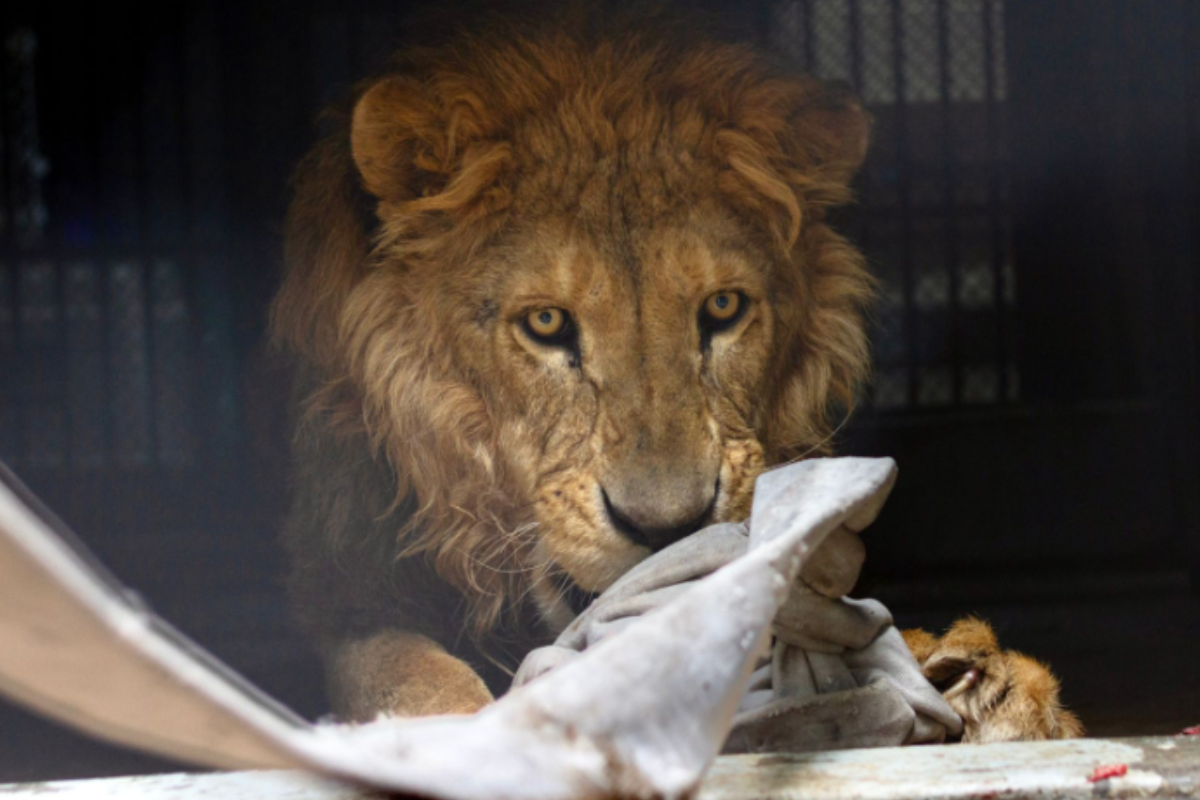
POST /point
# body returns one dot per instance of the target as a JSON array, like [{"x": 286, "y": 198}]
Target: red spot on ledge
[{"x": 1106, "y": 771}]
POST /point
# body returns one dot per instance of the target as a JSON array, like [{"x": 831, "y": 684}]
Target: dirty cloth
[
  {"x": 838, "y": 674},
  {"x": 643, "y": 707}
]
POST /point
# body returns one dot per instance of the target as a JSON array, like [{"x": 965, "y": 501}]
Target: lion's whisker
[{"x": 829, "y": 437}]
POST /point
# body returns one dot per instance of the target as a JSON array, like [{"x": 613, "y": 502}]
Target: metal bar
[
  {"x": 856, "y": 55},
  {"x": 1192, "y": 39},
  {"x": 949, "y": 219},
  {"x": 806, "y": 23},
  {"x": 995, "y": 207},
  {"x": 126, "y": 248},
  {"x": 10, "y": 361},
  {"x": 98, "y": 241},
  {"x": 8, "y": 24},
  {"x": 904, "y": 184},
  {"x": 145, "y": 242},
  {"x": 763, "y": 26},
  {"x": 203, "y": 148},
  {"x": 185, "y": 256},
  {"x": 231, "y": 32},
  {"x": 862, "y": 221}
]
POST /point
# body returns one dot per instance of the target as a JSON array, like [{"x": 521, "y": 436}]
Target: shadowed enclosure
[{"x": 1029, "y": 205}]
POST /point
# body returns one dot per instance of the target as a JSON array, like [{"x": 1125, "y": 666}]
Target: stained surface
[{"x": 1161, "y": 767}]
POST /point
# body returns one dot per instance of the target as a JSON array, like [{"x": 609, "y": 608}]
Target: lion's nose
[{"x": 656, "y": 519}]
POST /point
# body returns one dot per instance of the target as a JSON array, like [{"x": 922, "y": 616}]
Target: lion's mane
[{"x": 399, "y": 461}]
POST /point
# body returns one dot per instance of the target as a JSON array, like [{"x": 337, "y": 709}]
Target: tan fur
[
  {"x": 404, "y": 674},
  {"x": 499, "y": 169},
  {"x": 453, "y": 470},
  {"x": 1008, "y": 697}
]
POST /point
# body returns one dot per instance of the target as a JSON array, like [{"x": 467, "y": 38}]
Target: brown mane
[{"x": 442, "y": 145}]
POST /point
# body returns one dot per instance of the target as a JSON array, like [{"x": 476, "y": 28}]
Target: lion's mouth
[
  {"x": 656, "y": 539},
  {"x": 578, "y": 599},
  {"x": 572, "y": 594},
  {"x": 569, "y": 595}
]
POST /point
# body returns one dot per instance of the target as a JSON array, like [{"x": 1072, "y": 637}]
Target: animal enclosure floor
[
  {"x": 1114, "y": 769},
  {"x": 1127, "y": 650}
]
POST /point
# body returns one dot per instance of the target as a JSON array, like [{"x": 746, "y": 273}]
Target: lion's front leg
[
  {"x": 1001, "y": 695},
  {"x": 400, "y": 673}
]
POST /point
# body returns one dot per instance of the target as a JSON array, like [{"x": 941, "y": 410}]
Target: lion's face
[
  {"x": 625, "y": 374},
  {"x": 600, "y": 302}
]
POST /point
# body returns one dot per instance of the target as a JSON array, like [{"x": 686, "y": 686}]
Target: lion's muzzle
[{"x": 656, "y": 514}]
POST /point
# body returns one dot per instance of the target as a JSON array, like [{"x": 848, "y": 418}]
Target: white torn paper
[{"x": 78, "y": 647}]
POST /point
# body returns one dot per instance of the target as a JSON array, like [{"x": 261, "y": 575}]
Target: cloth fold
[{"x": 837, "y": 673}]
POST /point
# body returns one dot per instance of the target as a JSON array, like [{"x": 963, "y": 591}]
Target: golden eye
[
  {"x": 723, "y": 308},
  {"x": 548, "y": 324}
]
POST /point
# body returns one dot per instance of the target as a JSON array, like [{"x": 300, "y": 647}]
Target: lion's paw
[{"x": 1001, "y": 695}]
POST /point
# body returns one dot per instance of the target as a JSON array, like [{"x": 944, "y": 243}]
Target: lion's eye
[
  {"x": 721, "y": 310},
  {"x": 549, "y": 325}
]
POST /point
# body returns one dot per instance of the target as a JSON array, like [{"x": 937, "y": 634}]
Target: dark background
[{"x": 1031, "y": 205}]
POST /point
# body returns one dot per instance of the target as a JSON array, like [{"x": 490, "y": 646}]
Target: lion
[{"x": 557, "y": 294}]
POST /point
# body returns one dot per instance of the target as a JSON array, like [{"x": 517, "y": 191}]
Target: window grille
[
  {"x": 116, "y": 349},
  {"x": 116, "y": 314},
  {"x": 933, "y": 212},
  {"x": 28, "y": 313}
]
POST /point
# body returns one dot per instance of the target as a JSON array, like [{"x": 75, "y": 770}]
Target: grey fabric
[{"x": 838, "y": 674}]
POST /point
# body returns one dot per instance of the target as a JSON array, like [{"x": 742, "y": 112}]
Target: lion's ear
[
  {"x": 835, "y": 130},
  {"x": 433, "y": 149},
  {"x": 379, "y": 141},
  {"x": 794, "y": 145}
]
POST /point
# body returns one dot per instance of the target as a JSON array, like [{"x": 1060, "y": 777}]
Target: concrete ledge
[{"x": 1160, "y": 767}]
